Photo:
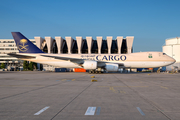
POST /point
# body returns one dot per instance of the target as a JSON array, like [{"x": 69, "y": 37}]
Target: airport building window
[
  {"x": 45, "y": 49},
  {"x": 64, "y": 49},
  {"x": 54, "y": 48},
  {"x": 104, "y": 48},
  {"x": 94, "y": 47},
  {"x": 74, "y": 48},
  {"x": 124, "y": 47},
  {"x": 85, "y": 47},
  {"x": 114, "y": 48}
]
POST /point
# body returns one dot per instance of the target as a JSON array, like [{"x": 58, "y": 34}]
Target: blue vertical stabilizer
[{"x": 24, "y": 45}]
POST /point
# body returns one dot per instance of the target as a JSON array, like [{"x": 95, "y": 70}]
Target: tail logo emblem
[{"x": 22, "y": 45}]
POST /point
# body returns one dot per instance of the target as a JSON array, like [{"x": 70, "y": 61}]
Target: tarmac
[{"x": 41, "y": 95}]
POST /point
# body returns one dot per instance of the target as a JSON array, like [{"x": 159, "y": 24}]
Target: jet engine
[
  {"x": 112, "y": 67},
  {"x": 89, "y": 65}
]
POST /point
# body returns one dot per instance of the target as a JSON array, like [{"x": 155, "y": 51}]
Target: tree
[
  {"x": 32, "y": 66},
  {"x": 25, "y": 65},
  {"x": 3, "y": 65}
]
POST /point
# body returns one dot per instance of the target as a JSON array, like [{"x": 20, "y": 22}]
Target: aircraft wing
[
  {"x": 75, "y": 60},
  {"x": 21, "y": 56}
]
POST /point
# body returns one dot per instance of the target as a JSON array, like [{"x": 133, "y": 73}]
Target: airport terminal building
[
  {"x": 172, "y": 48},
  {"x": 69, "y": 45},
  {"x": 9, "y": 46}
]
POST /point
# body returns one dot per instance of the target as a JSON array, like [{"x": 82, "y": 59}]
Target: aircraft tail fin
[{"x": 24, "y": 45}]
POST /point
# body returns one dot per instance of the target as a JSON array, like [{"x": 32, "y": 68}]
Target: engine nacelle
[
  {"x": 112, "y": 67},
  {"x": 89, "y": 65}
]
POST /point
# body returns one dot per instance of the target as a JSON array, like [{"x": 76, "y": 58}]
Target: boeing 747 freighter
[{"x": 95, "y": 63}]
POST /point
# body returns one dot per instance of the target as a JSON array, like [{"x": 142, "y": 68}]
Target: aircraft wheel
[
  {"x": 100, "y": 72},
  {"x": 96, "y": 72},
  {"x": 90, "y": 71},
  {"x": 93, "y": 71}
]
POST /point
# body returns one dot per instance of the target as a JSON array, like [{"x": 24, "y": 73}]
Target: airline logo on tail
[{"x": 22, "y": 46}]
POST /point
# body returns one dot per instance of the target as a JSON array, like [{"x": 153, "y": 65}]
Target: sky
[{"x": 149, "y": 21}]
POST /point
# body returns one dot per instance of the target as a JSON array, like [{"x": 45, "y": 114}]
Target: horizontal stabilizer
[{"x": 21, "y": 56}]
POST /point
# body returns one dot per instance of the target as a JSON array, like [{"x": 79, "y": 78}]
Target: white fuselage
[{"x": 132, "y": 60}]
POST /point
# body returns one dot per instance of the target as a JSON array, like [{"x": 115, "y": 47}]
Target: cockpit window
[
  {"x": 150, "y": 56},
  {"x": 164, "y": 53}
]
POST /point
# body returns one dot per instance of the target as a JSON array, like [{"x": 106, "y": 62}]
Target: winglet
[{"x": 24, "y": 45}]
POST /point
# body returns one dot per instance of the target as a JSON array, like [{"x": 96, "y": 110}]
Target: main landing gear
[{"x": 95, "y": 72}]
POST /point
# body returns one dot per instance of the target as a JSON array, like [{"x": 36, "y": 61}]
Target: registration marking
[
  {"x": 42, "y": 110},
  {"x": 140, "y": 111},
  {"x": 90, "y": 111}
]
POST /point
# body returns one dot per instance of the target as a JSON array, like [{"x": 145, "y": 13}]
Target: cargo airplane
[{"x": 95, "y": 63}]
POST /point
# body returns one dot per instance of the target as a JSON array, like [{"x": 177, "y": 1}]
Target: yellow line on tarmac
[
  {"x": 163, "y": 87},
  {"x": 131, "y": 86},
  {"x": 63, "y": 79},
  {"x": 112, "y": 89},
  {"x": 73, "y": 79},
  {"x": 124, "y": 86},
  {"x": 103, "y": 86},
  {"x": 21, "y": 86},
  {"x": 121, "y": 91}
]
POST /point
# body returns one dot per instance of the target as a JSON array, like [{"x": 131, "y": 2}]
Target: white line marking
[
  {"x": 42, "y": 110},
  {"x": 90, "y": 111},
  {"x": 98, "y": 111},
  {"x": 140, "y": 111}
]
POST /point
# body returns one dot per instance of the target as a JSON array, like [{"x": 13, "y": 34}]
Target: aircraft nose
[{"x": 173, "y": 60}]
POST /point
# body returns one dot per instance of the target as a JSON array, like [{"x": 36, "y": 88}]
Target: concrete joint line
[
  {"x": 150, "y": 102},
  {"x": 71, "y": 101}
]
